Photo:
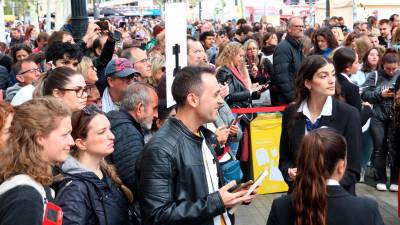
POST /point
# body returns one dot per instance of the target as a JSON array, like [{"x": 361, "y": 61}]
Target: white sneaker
[
  {"x": 362, "y": 175},
  {"x": 394, "y": 188},
  {"x": 381, "y": 187}
]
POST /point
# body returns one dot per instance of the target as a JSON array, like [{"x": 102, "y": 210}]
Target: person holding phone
[
  {"x": 377, "y": 92},
  {"x": 231, "y": 69}
]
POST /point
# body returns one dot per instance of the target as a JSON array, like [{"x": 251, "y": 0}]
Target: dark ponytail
[
  {"x": 53, "y": 79},
  {"x": 319, "y": 153}
]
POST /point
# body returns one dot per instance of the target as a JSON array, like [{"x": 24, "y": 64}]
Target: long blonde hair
[
  {"x": 225, "y": 58},
  {"x": 35, "y": 118}
]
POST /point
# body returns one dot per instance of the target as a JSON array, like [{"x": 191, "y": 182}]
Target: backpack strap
[{"x": 23, "y": 179}]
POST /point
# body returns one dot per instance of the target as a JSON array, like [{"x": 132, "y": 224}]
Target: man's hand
[
  {"x": 233, "y": 130},
  {"x": 231, "y": 199},
  {"x": 92, "y": 32},
  {"x": 386, "y": 93},
  {"x": 222, "y": 134},
  {"x": 224, "y": 90}
]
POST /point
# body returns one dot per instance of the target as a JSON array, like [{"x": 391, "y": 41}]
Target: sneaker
[
  {"x": 394, "y": 188},
  {"x": 381, "y": 187},
  {"x": 362, "y": 175}
]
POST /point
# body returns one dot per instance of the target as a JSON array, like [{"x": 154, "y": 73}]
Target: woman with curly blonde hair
[
  {"x": 40, "y": 138},
  {"x": 231, "y": 70}
]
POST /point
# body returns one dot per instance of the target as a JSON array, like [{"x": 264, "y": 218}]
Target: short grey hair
[
  {"x": 127, "y": 54},
  {"x": 290, "y": 21},
  {"x": 136, "y": 93}
]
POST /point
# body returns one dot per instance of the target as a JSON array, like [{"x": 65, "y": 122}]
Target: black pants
[{"x": 379, "y": 131}]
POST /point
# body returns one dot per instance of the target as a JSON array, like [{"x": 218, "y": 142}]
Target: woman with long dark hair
[
  {"x": 324, "y": 42},
  {"x": 318, "y": 198},
  {"x": 370, "y": 62},
  {"x": 315, "y": 106},
  {"x": 379, "y": 91}
]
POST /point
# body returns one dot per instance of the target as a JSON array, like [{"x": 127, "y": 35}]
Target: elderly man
[
  {"x": 287, "y": 59},
  {"x": 140, "y": 62},
  {"x": 137, "y": 112},
  {"x": 120, "y": 74}
]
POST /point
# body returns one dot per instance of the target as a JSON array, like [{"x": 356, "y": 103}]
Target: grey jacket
[
  {"x": 225, "y": 117},
  {"x": 12, "y": 91},
  {"x": 372, "y": 89}
]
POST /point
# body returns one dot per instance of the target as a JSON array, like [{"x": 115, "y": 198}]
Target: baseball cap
[{"x": 120, "y": 67}]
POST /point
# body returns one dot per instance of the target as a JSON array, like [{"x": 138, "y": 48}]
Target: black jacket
[
  {"x": 287, "y": 59},
  {"x": 129, "y": 142},
  {"x": 343, "y": 209},
  {"x": 372, "y": 93},
  {"x": 87, "y": 200},
  {"x": 172, "y": 179},
  {"x": 101, "y": 62},
  {"x": 345, "y": 120},
  {"x": 351, "y": 94},
  {"x": 239, "y": 96}
]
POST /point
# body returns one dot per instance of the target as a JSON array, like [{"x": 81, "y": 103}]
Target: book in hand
[{"x": 256, "y": 184}]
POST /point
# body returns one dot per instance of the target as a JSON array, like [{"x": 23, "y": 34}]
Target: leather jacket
[
  {"x": 239, "y": 96},
  {"x": 172, "y": 184}
]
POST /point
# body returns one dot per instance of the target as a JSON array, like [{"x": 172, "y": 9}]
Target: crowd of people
[{"x": 87, "y": 136}]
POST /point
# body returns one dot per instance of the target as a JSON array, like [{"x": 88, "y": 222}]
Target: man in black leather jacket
[
  {"x": 287, "y": 59},
  {"x": 179, "y": 178}
]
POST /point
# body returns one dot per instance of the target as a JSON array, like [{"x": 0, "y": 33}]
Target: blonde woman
[
  {"x": 157, "y": 70},
  {"x": 89, "y": 72},
  {"x": 338, "y": 33},
  {"x": 231, "y": 70},
  {"x": 40, "y": 138}
]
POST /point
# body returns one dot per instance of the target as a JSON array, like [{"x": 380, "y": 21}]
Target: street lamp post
[
  {"x": 79, "y": 18},
  {"x": 328, "y": 9}
]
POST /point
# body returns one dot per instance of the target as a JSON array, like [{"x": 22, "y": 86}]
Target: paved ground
[{"x": 257, "y": 212}]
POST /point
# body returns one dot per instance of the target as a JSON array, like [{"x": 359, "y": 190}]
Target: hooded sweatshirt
[
  {"x": 87, "y": 199},
  {"x": 12, "y": 91}
]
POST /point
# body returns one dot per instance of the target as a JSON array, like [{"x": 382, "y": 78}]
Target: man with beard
[{"x": 137, "y": 111}]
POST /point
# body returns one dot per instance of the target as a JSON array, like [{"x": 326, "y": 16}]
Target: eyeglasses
[
  {"x": 145, "y": 60},
  {"x": 36, "y": 70},
  {"x": 78, "y": 91},
  {"x": 251, "y": 49}
]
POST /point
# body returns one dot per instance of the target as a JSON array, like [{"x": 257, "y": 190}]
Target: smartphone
[
  {"x": 102, "y": 24},
  {"x": 122, "y": 24},
  {"x": 117, "y": 35},
  {"x": 243, "y": 186},
  {"x": 235, "y": 121}
]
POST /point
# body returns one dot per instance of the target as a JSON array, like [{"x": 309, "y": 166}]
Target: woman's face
[
  {"x": 92, "y": 75},
  {"x": 323, "y": 81},
  {"x": 238, "y": 59},
  {"x": 252, "y": 50},
  {"x": 322, "y": 42},
  {"x": 273, "y": 40},
  {"x": 4, "y": 132},
  {"x": 390, "y": 68},
  {"x": 57, "y": 145},
  {"x": 73, "y": 97},
  {"x": 373, "y": 58},
  {"x": 100, "y": 140},
  {"x": 354, "y": 66},
  {"x": 94, "y": 98},
  {"x": 21, "y": 54}
]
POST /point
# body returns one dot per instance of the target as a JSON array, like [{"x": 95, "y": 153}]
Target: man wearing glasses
[
  {"x": 27, "y": 73},
  {"x": 119, "y": 73},
  {"x": 140, "y": 62},
  {"x": 287, "y": 59}
]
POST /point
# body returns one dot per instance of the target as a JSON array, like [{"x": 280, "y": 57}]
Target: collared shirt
[
  {"x": 107, "y": 102},
  {"x": 210, "y": 167},
  {"x": 326, "y": 110},
  {"x": 332, "y": 182},
  {"x": 347, "y": 77}
]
